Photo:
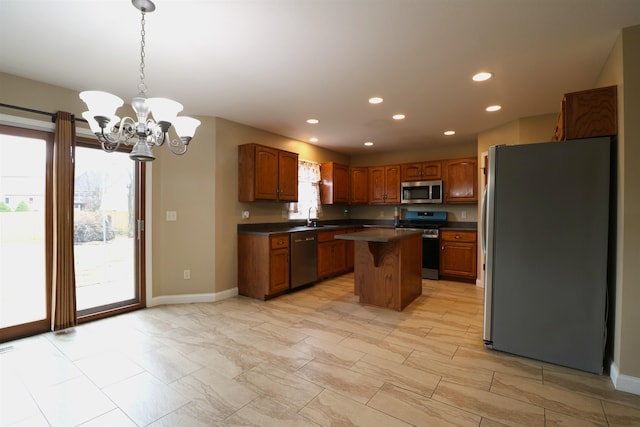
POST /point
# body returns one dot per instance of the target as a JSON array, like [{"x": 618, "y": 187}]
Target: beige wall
[
  {"x": 623, "y": 69},
  {"x": 185, "y": 184}
]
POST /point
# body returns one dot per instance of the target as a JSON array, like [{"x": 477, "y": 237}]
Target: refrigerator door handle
[{"x": 483, "y": 222}]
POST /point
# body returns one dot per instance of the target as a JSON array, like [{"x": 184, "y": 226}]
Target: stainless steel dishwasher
[{"x": 304, "y": 258}]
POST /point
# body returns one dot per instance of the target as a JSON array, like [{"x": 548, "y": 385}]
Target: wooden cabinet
[
  {"x": 358, "y": 185},
  {"x": 422, "y": 171},
  {"x": 587, "y": 114},
  {"x": 458, "y": 253},
  {"x": 334, "y": 256},
  {"x": 384, "y": 184},
  {"x": 263, "y": 265},
  {"x": 266, "y": 173},
  {"x": 334, "y": 184},
  {"x": 461, "y": 180}
]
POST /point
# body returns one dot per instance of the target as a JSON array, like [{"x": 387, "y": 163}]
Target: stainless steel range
[{"x": 429, "y": 222}]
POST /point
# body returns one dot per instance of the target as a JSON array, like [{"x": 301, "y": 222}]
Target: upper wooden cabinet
[
  {"x": 461, "y": 180},
  {"x": 588, "y": 114},
  {"x": 384, "y": 184},
  {"x": 423, "y": 171},
  {"x": 358, "y": 185},
  {"x": 334, "y": 184},
  {"x": 266, "y": 173}
]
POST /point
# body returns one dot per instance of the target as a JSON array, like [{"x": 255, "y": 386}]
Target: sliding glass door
[
  {"x": 24, "y": 286},
  {"x": 106, "y": 221},
  {"x": 108, "y": 231}
]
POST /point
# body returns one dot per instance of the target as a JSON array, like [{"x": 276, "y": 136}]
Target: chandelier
[{"x": 143, "y": 133}]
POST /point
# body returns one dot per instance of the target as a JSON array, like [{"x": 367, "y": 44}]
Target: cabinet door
[
  {"x": 341, "y": 184},
  {"x": 376, "y": 184},
  {"x": 458, "y": 254},
  {"x": 287, "y": 176},
  {"x": 411, "y": 171},
  {"x": 335, "y": 183},
  {"x": 279, "y": 270},
  {"x": 461, "y": 181},
  {"x": 431, "y": 170},
  {"x": 266, "y": 173},
  {"x": 324, "y": 259},
  {"x": 392, "y": 184},
  {"x": 358, "y": 188},
  {"x": 458, "y": 259}
]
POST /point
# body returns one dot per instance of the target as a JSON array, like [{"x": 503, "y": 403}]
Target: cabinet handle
[
  {"x": 443, "y": 247},
  {"x": 457, "y": 236}
]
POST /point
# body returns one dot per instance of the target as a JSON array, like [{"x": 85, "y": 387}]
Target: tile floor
[{"x": 314, "y": 357}]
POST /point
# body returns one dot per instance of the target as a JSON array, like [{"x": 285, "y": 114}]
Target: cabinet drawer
[
  {"x": 280, "y": 241},
  {"x": 326, "y": 236},
  {"x": 458, "y": 236}
]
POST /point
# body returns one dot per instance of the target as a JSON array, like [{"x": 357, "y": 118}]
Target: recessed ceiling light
[
  {"x": 482, "y": 76},
  {"x": 368, "y": 144},
  {"x": 314, "y": 139},
  {"x": 375, "y": 100},
  {"x": 398, "y": 116},
  {"x": 449, "y": 132},
  {"x": 493, "y": 108},
  {"x": 313, "y": 121}
]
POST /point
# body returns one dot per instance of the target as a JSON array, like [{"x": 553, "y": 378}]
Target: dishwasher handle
[{"x": 304, "y": 239}]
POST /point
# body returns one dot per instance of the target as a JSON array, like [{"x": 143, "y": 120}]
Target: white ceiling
[{"x": 273, "y": 64}]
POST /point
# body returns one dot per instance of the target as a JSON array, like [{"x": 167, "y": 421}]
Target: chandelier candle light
[{"x": 144, "y": 132}]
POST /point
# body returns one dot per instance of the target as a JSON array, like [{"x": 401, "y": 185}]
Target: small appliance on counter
[{"x": 429, "y": 223}]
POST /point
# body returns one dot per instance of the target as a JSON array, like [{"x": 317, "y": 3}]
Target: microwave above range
[{"x": 422, "y": 192}]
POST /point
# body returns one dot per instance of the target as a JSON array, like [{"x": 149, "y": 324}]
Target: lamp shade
[
  {"x": 101, "y": 103},
  {"x": 164, "y": 109},
  {"x": 186, "y": 126}
]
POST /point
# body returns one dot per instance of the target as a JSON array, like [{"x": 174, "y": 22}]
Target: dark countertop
[
  {"x": 459, "y": 229},
  {"x": 379, "y": 235},
  {"x": 266, "y": 229}
]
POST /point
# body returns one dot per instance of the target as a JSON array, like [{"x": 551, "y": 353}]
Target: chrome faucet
[{"x": 311, "y": 223}]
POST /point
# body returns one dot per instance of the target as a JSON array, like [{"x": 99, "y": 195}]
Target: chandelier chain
[{"x": 142, "y": 87}]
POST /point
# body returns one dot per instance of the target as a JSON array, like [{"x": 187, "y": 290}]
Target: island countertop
[{"x": 379, "y": 235}]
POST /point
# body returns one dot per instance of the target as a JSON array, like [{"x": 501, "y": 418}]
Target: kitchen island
[{"x": 387, "y": 266}]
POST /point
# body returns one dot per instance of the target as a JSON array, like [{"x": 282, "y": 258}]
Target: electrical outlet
[
  {"x": 172, "y": 216},
  {"x": 186, "y": 274},
  {"x": 463, "y": 214},
  {"x": 245, "y": 214}
]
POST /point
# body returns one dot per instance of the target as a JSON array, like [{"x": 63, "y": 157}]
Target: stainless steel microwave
[{"x": 422, "y": 192}]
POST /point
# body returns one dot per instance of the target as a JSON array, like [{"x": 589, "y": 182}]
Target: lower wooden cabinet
[
  {"x": 263, "y": 265},
  {"x": 334, "y": 256},
  {"x": 458, "y": 254},
  {"x": 331, "y": 254}
]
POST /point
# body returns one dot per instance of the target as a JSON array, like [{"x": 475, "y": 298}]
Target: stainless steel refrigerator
[{"x": 545, "y": 237}]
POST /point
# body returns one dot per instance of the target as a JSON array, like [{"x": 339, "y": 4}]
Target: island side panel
[
  {"x": 411, "y": 270},
  {"x": 388, "y": 274}
]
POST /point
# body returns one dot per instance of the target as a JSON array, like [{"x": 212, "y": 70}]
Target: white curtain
[{"x": 308, "y": 191}]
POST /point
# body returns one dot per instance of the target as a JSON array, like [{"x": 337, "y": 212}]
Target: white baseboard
[
  {"x": 192, "y": 298},
  {"x": 624, "y": 382}
]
